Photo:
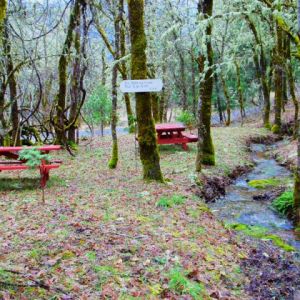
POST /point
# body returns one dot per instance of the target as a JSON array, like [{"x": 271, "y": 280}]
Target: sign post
[{"x": 141, "y": 86}]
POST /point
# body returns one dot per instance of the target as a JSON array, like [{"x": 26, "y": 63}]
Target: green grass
[
  {"x": 180, "y": 284},
  {"x": 284, "y": 204},
  {"x": 170, "y": 201}
]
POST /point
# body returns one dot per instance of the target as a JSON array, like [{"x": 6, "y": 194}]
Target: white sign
[{"x": 141, "y": 86}]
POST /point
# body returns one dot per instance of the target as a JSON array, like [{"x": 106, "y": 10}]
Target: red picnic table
[
  {"x": 174, "y": 133},
  {"x": 16, "y": 164}
]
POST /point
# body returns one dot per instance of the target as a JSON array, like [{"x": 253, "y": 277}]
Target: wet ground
[{"x": 238, "y": 206}]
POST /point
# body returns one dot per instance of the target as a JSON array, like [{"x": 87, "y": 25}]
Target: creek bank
[{"x": 211, "y": 188}]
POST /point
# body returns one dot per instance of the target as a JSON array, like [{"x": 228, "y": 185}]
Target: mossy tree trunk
[
  {"x": 278, "y": 67},
  {"x": 103, "y": 82},
  {"x": 240, "y": 90},
  {"x": 155, "y": 107},
  {"x": 227, "y": 97},
  {"x": 59, "y": 119},
  {"x": 146, "y": 130},
  {"x": 114, "y": 115},
  {"x": 75, "y": 84},
  {"x": 163, "y": 103},
  {"x": 193, "y": 85},
  {"x": 154, "y": 97},
  {"x": 12, "y": 83},
  {"x": 130, "y": 115},
  {"x": 206, "y": 152},
  {"x": 291, "y": 81},
  {"x": 218, "y": 95},
  {"x": 3, "y": 8},
  {"x": 260, "y": 61},
  {"x": 297, "y": 173}
]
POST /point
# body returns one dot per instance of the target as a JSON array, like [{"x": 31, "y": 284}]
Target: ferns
[{"x": 284, "y": 204}]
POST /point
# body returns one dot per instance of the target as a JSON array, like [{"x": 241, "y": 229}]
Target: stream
[{"x": 238, "y": 206}]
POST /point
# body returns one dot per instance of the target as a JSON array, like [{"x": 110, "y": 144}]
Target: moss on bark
[
  {"x": 206, "y": 152},
  {"x": 278, "y": 65},
  {"x": 3, "y": 6},
  {"x": 114, "y": 156},
  {"x": 14, "y": 109},
  {"x": 130, "y": 115},
  {"x": 146, "y": 130},
  {"x": 297, "y": 196}
]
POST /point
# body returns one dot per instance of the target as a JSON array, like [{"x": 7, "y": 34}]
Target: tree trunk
[
  {"x": 114, "y": 116},
  {"x": 291, "y": 81},
  {"x": 163, "y": 102},
  {"x": 75, "y": 88},
  {"x": 3, "y": 7},
  {"x": 59, "y": 119},
  {"x": 206, "y": 152},
  {"x": 240, "y": 90},
  {"x": 278, "y": 82},
  {"x": 261, "y": 72},
  {"x": 219, "y": 103},
  {"x": 227, "y": 97},
  {"x": 146, "y": 130},
  {"x": 130, "y": 115},
  {"x": 155, "y": 106},
  {"x": 297, "y": 173},
  {"x": 194, "y": 92},
  {"x": 103, "y": 82},
  {"x": 12, "y": 83}
]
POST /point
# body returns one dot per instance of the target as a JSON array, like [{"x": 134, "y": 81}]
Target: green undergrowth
[
  {"x": 275, "y": 129},
  {"x": 265, "y": 183},
  {"x": 262, "y": 233},
  {"x": 284, "y": 204},
  {"x": 182, "y": 285},
  {"x": 167, "y": 202}
]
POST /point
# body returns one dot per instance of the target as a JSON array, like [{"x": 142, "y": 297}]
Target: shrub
[{"x": 187, "y": 119}]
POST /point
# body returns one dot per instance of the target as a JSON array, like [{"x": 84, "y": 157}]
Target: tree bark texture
[
  {"x": 145, "y": 123},
  {"x": 206, "y": 152},
  {"x": 114, "y": 116},
  {"x": 12, "y": 83},
  {"x": 278, "y": 66}
]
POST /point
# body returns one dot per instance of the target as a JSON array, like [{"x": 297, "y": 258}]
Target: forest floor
[{"x": 106, "y": 234}]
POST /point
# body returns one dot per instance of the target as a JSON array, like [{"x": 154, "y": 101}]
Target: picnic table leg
[
  {"x": 44, "y": 178},
  {"x": 185, "y": 147}
]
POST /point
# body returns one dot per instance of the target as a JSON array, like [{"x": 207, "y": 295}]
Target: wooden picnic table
[
  {"x": 16, "y": 164},
  {"x": 174, "y": 133}
]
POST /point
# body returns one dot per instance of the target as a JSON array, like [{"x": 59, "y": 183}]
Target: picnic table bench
[
  {"x": 13, "y": 163},
  {"x": 174, "y": 133}
]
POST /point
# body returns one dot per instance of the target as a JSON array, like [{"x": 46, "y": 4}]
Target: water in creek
[{"x": 238, "y": 205}]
